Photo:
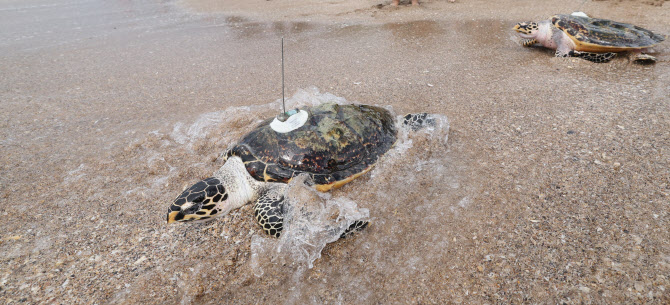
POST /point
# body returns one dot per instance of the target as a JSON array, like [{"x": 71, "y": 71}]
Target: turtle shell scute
[
  {"x": 605, "y": 32},
  {"x": 336, "y": 142}
]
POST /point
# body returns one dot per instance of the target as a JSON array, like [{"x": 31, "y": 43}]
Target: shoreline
[{"x": 552, "y": 187}]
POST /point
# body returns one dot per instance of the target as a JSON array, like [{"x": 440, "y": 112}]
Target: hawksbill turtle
[
  {"x": 334, "y": 145},
  {"x": 593, "y": 39}
]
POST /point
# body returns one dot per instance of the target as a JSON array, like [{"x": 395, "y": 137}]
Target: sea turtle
[
  {"x": 334, "y": 145},
  {"x": 596, "y": 40}
]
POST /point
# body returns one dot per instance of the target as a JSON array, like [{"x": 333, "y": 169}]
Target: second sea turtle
[{"x": 593, "y": 39}]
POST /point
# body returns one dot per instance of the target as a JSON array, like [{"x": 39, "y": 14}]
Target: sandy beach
[{"x": 551, "y": 183}]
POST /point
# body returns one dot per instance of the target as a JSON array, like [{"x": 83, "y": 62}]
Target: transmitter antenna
[
  {"x": 282, "y": 116},
  {"x": 292, "y": 120},
  {"x": 579, "y": 9}
]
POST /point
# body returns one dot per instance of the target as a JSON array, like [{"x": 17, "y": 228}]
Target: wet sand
[{"x": 554, "y": 185}]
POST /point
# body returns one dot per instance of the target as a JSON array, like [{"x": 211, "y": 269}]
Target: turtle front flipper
[
  {"x": 593, "y": 57},
  {"x": 528, "y": 42},
  {"x": 268, "y": 211}
]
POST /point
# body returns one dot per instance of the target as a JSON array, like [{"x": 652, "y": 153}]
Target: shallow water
[
  {"x": 552, "y": 185},
  {"x": 418, "y": 181}
]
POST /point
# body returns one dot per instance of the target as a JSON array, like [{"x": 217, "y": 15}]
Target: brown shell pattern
[
  {"x": 605, "y": 32},
  {"x": 336, "y": 142}
]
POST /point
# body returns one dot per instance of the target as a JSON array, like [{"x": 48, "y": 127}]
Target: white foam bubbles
[{"x": 311, "y": 220}]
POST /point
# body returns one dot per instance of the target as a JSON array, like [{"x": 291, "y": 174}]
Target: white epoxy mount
[
  {"x": 287, "y": 121},
  {"x": 296, "y": 119}
]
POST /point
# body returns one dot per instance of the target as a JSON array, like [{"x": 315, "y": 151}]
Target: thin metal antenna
[
  {"x": 282, "y": 116},
  {"x": 579, "y": 9}
]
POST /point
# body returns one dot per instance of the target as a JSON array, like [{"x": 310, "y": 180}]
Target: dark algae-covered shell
[
  {"x": 335, "y": 145},
  {"x": 593, "y": 34}
]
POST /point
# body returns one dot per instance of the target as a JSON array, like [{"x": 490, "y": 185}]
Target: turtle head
[
  {"x": 204, "y": 200},
  {"x": 527, "y": 29}
]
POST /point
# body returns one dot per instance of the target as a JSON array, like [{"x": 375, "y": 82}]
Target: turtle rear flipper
[
  {"x": 593, "y": 57},
  {"x": 355, "y": 227},
  {"x": 416, "y": 121},
  {"x": 641, "y": 58}
]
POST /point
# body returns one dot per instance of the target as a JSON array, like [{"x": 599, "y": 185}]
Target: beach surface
[{"x": 550, "y": 184}]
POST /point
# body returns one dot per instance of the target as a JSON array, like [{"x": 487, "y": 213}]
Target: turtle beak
[
  {"x": 186, "y": 206},
  {"x": 172, "y": 216},
  {"x": 176, "y": 213},
  {"x": 195, "y": 213}
]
